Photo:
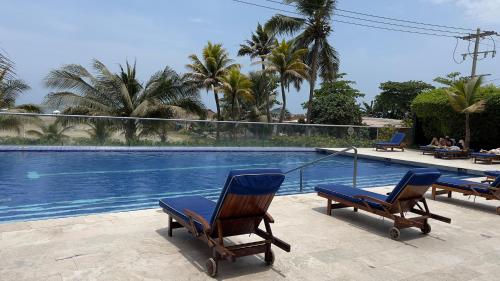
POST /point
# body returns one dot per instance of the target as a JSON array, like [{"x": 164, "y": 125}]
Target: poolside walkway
[
  {"x": 345, "y": 246},
  {"x": 415, "y": 157}
]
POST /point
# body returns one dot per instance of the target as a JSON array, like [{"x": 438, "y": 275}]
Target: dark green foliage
[
  {"x": 335, "y": 103},
  {"x": 438, "y": 118},
  {"x": 395, "y": 99}
]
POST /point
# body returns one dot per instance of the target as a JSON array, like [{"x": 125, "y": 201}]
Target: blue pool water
[{"x": 38, "y": 185}]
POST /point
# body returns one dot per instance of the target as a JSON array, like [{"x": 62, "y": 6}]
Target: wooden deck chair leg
[
  {"x": 170, "y": 222},
  {"x": 329, "y": 207},
  {"x": 449, "y": 194}
]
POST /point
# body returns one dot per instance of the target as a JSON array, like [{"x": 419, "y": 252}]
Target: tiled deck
[
  {"x": 345, "y": 246},
  {"x": 415, "y": 157}
]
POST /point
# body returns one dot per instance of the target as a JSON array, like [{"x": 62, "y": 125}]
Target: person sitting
[
  {"x": 461, "y": 144},
  {"x": 434, "y": 142},
  {"x": 443, "y": 143},
  {"x": 449, "y": 141}
]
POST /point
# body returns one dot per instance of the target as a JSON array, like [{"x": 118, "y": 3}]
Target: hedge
[{"x": 438, "y": 119}]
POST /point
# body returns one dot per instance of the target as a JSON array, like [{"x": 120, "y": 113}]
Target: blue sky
[{"x": 42, "y": 35}]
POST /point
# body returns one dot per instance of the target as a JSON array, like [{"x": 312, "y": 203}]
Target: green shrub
[{"x": 438, "y": 119}]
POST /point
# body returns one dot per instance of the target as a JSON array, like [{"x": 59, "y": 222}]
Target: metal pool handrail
[{"x": 302, "y": 167}]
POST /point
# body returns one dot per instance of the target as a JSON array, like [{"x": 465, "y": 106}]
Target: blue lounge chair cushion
[
  {"x": 483, "y": 155},
  {"x": 463, "y": 184},
  {"x": 238, "y": 182},
  {"x": 348, "y": 193},
  {"x": 198, "y": 204},
  {"x": 250, "y": 182},
  {"x": 418, "y": 176},
  {"x": 396, "y": 139},
  {"x": 492, "y": 173},
  {"x": 427, "y": 147}
]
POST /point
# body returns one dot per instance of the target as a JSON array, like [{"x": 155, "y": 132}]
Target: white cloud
[{"x": 483, "y": 10}]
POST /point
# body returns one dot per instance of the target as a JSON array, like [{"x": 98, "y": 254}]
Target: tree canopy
[{"x": 395, "y": 99}]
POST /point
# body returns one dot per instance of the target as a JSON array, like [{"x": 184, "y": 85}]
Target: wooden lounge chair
[
  {"x": 395, "y": 142},
  {"x": 406, "y": 197},
  {"x": 451, "y": 154},
  {"x": 467, "y": 188},
  {"x": 491, "y": 176},
  {"x": 241, "y": 208},
  {"x": 427, "y": 149},
  {"x": 487, "y": 158}
]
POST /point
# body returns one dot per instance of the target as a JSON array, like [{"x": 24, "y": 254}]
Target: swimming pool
[{"x": 39, "y": 185}]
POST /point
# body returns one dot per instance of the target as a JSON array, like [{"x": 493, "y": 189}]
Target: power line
[
  {"x": 347, "y": 22},
  {"x": 382, "y": 17}
]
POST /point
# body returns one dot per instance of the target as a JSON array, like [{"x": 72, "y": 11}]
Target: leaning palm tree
[
  {"x": 259, "y": 46},
  {"x": 463, "y": 97},
  {"x": 208, "y": 71},
  {"x": 314, "y": 28},
  {"x": 121, "y": 94},
  {"x": 10, "y": 89},
  {"x": 236, "y": 87},
  {"x": 286, "y": 61}
]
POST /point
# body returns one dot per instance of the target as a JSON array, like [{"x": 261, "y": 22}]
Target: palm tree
[
  {"x": 264, "y": 93},
  {"x": 314, "y": 28},
  {"x": 260, "y": 45},
  {"x": 463, "y": 97},
  {"x": 10, "y": 89},
  {"x": 286, "y": 61},
  {"x": 368, "y": 109},
  {"x": 52, "y": 133},
  {"x": 236, "y": 86},
  {"x": 208, "y": 72},
  {"x": 121, "y": 94}
]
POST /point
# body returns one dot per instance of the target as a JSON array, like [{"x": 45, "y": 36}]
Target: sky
[{"x": 43, "y": 35}]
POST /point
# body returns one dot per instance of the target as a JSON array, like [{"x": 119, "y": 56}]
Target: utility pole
[{"x": 477, "y": 37}]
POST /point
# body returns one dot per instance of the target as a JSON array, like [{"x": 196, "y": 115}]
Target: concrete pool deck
[
  {"x": 415, "y": 157},
  {"x": 345, "y": 246}
]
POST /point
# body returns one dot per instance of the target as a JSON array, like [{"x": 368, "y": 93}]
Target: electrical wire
[
  {"x": 382, "y": 17},
  {"x": 348, "y": 22},
  {"x": 454, "y": 52}
]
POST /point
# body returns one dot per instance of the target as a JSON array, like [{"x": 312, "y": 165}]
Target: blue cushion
[
  {"x": 250, "y": 182},
  {"x": 398, "y": 137},
  {"x": 419, "y": 176},
  {"x": 463, "y": 184},
  {"x": 483, "y": 155},
  {"x": 492, "y": 173},
  {"x": 240, "y": 182},
  {"x": 348, "y": 193},
  {"x": 198, "y": 204},
  {"x": 427, "y": 147}
]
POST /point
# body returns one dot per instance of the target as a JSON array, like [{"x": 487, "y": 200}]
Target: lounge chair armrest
[
  {"x": 269, "y": 218},
  {"x": 195, "y": 216},
  {"x": 374, "y": 200}
]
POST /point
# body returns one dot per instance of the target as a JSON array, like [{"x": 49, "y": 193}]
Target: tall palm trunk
[
  {"x": 312, "y": 79},
  {"x": 467, "y": 131},
  {"x": 283, "y": 97},
  {"x": 268, "y": 94},
  {"x": 130, "y": 129},
  {"x": 216, "y": 96},
  {"x": 233, "y": 103}
]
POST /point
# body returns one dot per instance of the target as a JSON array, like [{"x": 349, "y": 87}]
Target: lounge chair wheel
[
  {"x": 394, "y": 233},
  {"x": 211, "y": 266},
  {"x": 426, "y": 229},
  {"x": 269, "y": 257}
]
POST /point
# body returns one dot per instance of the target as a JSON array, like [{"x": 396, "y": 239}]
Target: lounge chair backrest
[
  {"x": 398, "y": 138},
  {"x": 246, "y": 194},
  {"x": 412, "y": 187}
]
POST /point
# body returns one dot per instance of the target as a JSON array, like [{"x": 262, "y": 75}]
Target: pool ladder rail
[{"x": 312, "y": 163}]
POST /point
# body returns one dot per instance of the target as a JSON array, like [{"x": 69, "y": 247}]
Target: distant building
[{"x": 380, "y": 122}]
